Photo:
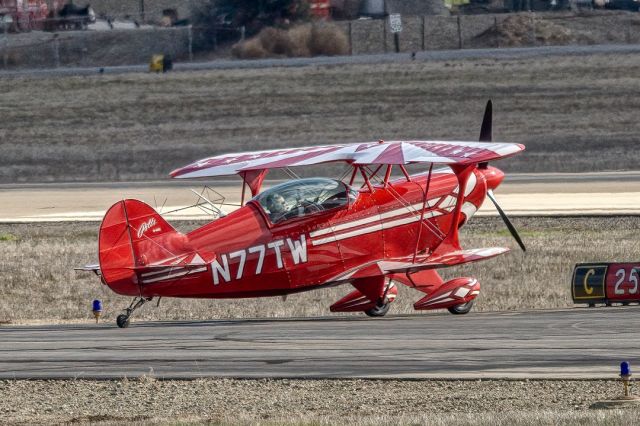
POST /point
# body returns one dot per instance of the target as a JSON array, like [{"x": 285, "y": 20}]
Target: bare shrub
[
  {"x": 328, "y": 39},
  {"x": 300, "y": 41},
  {"x": 275, "y": 41},
  {"x": 250, "y": 49}
]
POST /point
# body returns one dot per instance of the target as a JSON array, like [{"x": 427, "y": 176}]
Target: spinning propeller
[{"x": 486, "y": 136}]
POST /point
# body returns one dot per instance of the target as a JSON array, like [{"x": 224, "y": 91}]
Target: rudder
[{"x": 133, "y": 236}]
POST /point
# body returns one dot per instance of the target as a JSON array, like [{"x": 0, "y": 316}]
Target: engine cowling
[{"x": 452, "y": 293}]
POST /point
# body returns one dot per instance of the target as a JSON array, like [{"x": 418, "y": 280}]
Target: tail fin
[{"x": 133, "y": 236}]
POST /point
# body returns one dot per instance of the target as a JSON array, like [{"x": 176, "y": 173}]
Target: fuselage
[{"x": 246, "y": 254}]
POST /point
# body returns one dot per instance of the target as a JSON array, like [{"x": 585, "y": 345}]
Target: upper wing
[{"x": 396, "y": 152}]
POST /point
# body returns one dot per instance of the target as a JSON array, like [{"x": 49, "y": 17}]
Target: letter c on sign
[{"x": 588, "y": 289}]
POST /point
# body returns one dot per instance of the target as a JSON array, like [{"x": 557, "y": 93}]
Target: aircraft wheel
[
  {"x": 122, "y": 321},
  {"x": 461, "y": 309},
  {"x": 378, "y": 311}
]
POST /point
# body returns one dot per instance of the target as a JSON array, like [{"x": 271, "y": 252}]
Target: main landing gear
[
  {"x": 123, "y": 319},
  {"x": 461, "y": 309},
  {"x": 379, "y": 310}
]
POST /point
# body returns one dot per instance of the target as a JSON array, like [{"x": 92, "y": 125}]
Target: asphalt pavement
[
  {"x": 529, "y": 194},
  {"x": 573, "y": 343}
]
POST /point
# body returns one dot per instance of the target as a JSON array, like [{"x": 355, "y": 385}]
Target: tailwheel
[
  {"x": 123, "y": 319},
  {"x": 461, "y": 309},
  {"x": 379, "y": 310}
]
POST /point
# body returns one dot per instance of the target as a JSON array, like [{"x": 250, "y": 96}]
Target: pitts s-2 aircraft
[{"x": 310, "y": 233}]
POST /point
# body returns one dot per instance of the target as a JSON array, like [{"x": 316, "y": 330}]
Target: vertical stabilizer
[{"x": 134, "y": 236}]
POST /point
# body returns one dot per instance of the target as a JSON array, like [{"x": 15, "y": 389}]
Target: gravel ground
[{"x": 308, "y": 401}]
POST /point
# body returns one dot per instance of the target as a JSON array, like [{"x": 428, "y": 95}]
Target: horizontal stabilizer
[{"x": 95, "y": 268}]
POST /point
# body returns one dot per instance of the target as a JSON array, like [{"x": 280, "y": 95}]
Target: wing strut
[
  {"x": 253, "y": 179},
  {"x": 425, "y": 198},
  {"x": 451, "y": 242}
]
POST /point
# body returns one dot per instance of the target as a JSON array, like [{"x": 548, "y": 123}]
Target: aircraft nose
[{"x": 493, "y": 176}]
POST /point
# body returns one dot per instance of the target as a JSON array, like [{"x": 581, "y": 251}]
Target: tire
[
  {"x": 378, "y": 311},
  {"x": 122, "y": 321},
  {"x": 461, "y": 309}
]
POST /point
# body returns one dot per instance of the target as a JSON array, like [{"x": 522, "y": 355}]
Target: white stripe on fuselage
[
  {"x": 414, "y": 208},
  {"x": 381, "y": 225},
  {"x": 175, "y": 274}
]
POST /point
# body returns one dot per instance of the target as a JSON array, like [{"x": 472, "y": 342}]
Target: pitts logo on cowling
[{"x": 220, "y": 266}]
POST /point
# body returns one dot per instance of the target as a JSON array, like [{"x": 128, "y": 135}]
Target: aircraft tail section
[{"x": 134, "y": 242}]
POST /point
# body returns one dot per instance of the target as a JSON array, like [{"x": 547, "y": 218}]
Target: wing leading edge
[{"x": 395, "y": 152}]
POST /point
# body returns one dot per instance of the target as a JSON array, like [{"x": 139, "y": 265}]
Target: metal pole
[
  {"x": 350, "y": 39},
  {"x": 533, "y": 28},
  {"x": 384, "y": 35},
  {"x": 142, "y": 10},
  {"x": 56, "y": 51},
  {"x": 396, "y": 42},
  {"x": 459, "y": 33},
  {"x": 190, "y": 43},
  {"x": 5, "y": 56},
  {"x": 424, "y": 24}
]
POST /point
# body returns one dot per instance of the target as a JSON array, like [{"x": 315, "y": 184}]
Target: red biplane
[{"x": 370, "y": 229}]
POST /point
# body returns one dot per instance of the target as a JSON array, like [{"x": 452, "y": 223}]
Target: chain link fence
[
  {"x": 494, "y": 30},
  {"x": 38, "y": 49}
]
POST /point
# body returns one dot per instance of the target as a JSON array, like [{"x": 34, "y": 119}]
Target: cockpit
[{"x": 304, "y": 197}]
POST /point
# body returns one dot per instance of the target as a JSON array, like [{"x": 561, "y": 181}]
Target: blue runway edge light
[
  {"x": 97, "y": 306},
  {"x": 625, "y": 369}
]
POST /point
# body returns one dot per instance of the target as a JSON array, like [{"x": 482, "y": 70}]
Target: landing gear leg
[{"x": 123, "y": 319}]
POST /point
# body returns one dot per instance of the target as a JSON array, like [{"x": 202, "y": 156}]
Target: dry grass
[
  {"x": 573, "y": 113},
  {"x": 317, "y": 402},
  {"x": 37, "y": 281}
]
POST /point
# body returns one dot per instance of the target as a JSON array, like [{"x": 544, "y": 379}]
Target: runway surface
[
  {"x": 521, "y": 194},
  {"x": 574, "y": 343}
]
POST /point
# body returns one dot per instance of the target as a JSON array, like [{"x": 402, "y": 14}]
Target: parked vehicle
[{"x": 23, "y": 15}]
